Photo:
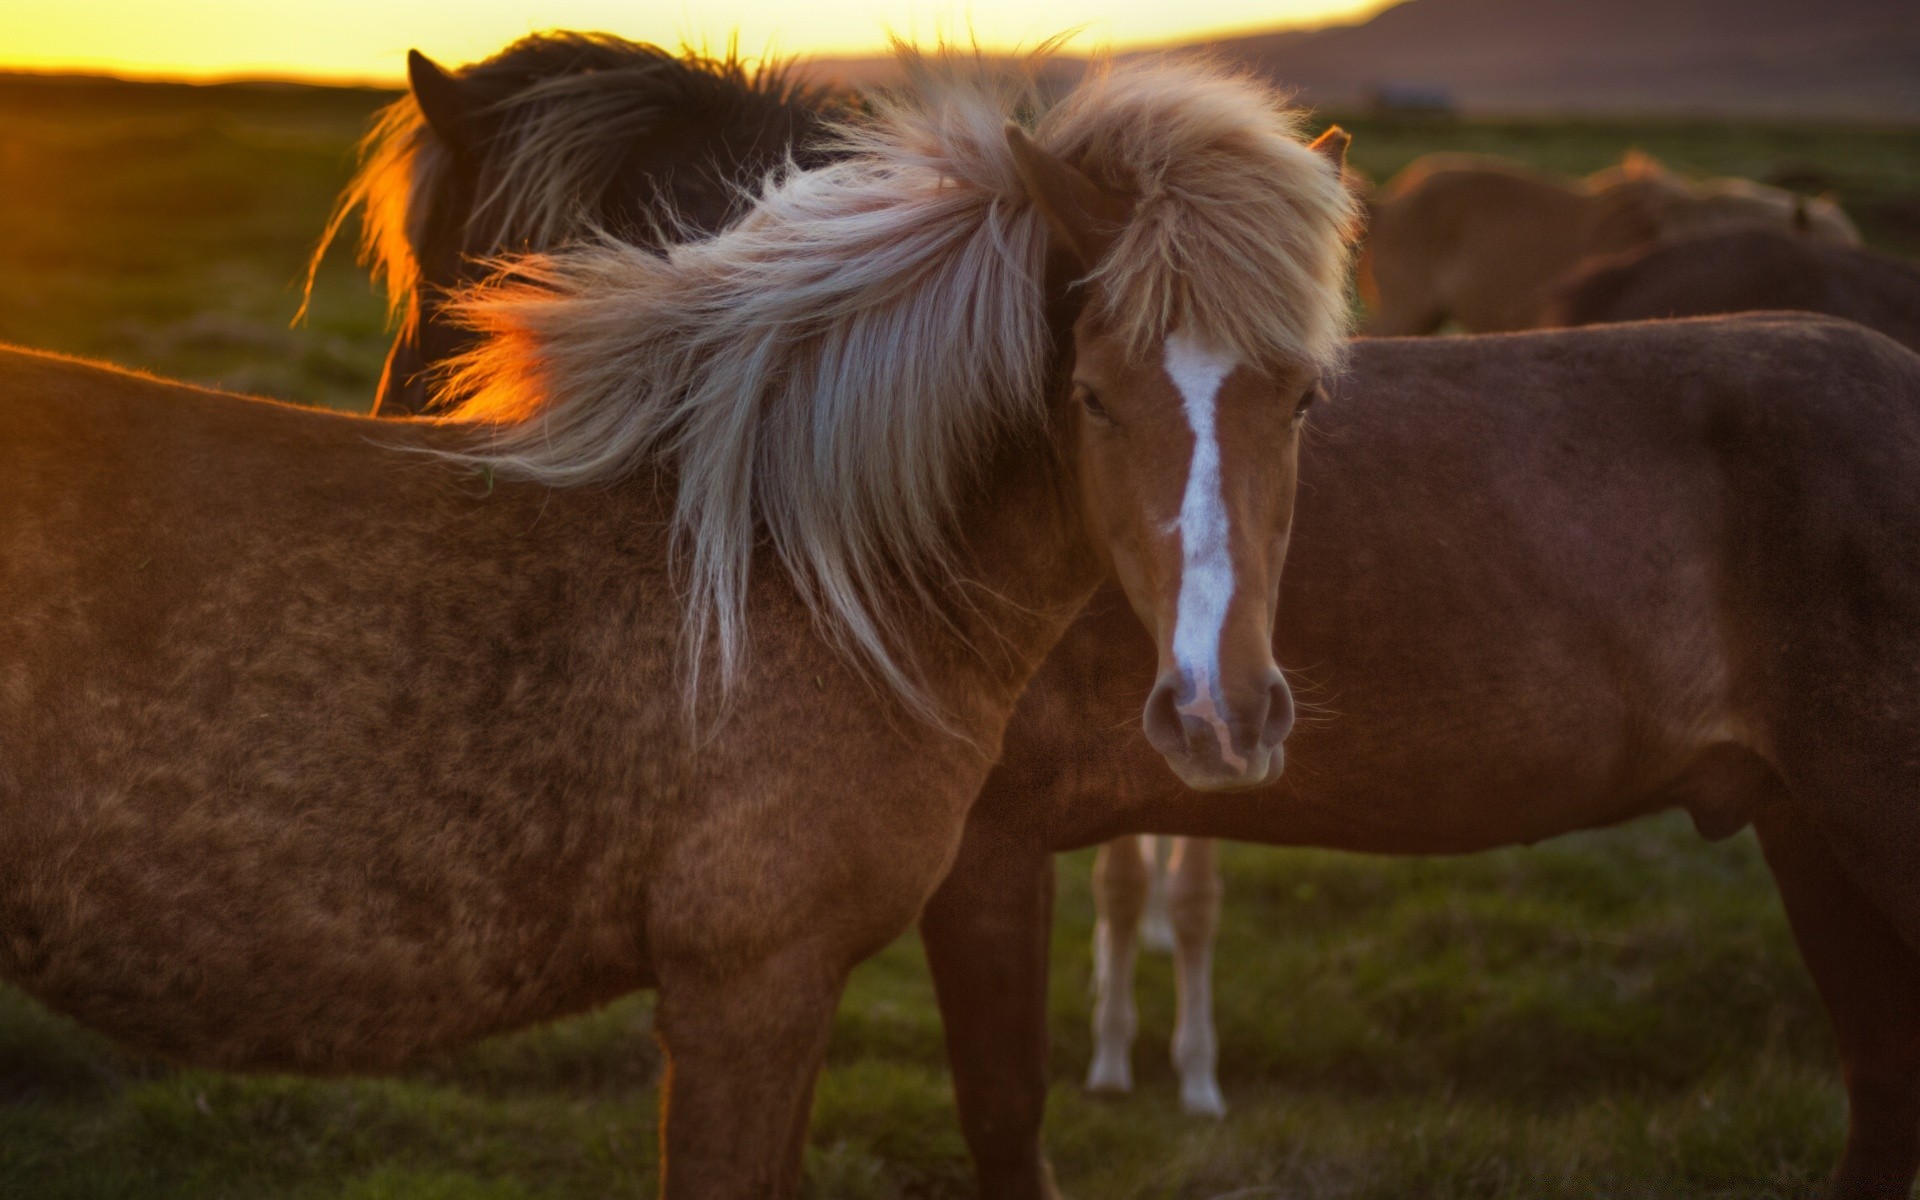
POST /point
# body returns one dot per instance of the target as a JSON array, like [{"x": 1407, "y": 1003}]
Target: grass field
[{"x": 1611, "y": 1015}]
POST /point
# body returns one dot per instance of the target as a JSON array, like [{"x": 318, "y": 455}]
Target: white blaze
[{"x": 1206, "y": 563}]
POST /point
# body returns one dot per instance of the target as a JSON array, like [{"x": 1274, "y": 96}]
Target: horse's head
[
  {"x": 1188, "y": 454},
  {"x": 563, "y": 137}
]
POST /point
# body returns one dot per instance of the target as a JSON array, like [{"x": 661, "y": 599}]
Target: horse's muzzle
[{"x": 1216, "y": 738}]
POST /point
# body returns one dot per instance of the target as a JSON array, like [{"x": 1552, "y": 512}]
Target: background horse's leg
[
  {"x": 987, "y": 933},
  {"x": 744, "y": 1047},
  {"x": 1194, "y": 898},
  {"x": 1869, "y": 978},
  {"x": 1156, "y": 924},
  {"x": 1120, "y": 879}
]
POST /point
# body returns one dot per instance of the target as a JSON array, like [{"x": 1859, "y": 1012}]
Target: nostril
[
  {"x": 1162, "y": 720},
  {"x": 1279, "y": 720}
]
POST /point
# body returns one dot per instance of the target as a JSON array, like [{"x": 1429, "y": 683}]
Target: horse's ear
[
  {"x": 1638, "y": 164},
  {"x": 1332, "y": 145},
  {"x": 1802, "y": 219},
  {"x": 1083, "y": 215},
  {"x": 445, "y": 100}
]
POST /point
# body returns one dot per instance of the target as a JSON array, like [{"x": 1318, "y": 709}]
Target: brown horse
[
  {"x": 1547, "y": 582},
  {"x": 558, "y": 137},
  {"x": 324, "y": 749},
  {"x": 1745, "y": 270},
  {"x": 1482, "y": 240}
]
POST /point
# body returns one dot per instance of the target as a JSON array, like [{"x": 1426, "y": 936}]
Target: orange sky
[{"x": 368, "y": 39}]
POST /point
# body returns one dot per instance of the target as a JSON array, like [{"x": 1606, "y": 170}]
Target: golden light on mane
[
  {"x": 401, "y": 166},
  {"x": 561, "y": 138},
  {"x": 829, "y": 373}
]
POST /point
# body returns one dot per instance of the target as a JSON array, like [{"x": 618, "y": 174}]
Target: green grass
[
  {"x": 1617, "y": 1014},
  {"x": 1612, "y": 1015},
  {"x": 168, "y": 228}
]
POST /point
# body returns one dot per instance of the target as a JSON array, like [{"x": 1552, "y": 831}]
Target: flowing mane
[
  {"x": 569, "y": 106},
  {"x": 830, "y": 372}
]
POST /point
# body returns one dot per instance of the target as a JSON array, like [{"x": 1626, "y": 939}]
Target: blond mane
[{"x": 829, "y": 373}]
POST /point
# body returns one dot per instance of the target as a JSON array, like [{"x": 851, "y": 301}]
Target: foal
[{"x": 324, "y": 749}]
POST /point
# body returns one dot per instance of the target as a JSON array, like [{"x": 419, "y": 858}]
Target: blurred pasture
[{"x": 1618, "y": 1014}]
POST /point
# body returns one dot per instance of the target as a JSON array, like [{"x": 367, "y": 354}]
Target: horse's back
[
  {"x": 1746, "y": 270},
  {"x": 1529, "y": 576}
]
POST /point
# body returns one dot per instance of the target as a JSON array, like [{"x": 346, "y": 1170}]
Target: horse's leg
[
  {"x": 1869, "y": 977},
  {"x": 1156, "y": 924},
  {"x": 743, "y": 1048},
  {"x": 1195, "y": 905},
  {"x": 987, "y": 933},
  {"x": 1119, "y": 896}
]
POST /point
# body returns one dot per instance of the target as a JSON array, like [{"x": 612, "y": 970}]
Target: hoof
[
  {"x": 1110, "y": 1073},
  {"x": 1202, "y": 1098}
]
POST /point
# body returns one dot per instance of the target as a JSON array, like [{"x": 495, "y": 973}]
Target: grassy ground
[{"x": 1612, "y": 1015}]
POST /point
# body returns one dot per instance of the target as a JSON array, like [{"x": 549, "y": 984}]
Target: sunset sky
[{"x": 368, "y": 39}]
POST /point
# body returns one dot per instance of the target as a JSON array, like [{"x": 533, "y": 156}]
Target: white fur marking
[{"x": 1206, "y": 568}]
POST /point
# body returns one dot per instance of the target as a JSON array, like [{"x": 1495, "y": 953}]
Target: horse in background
[
  {"x": 333, "y": 742},
  {"x": 1745, "y": 270},
  {"x": 560, "y": 136},
  {"x": 1606, "y": 572},
  {"x": 1482, "y": 240},
  {"x": 1500, "y": 678}
]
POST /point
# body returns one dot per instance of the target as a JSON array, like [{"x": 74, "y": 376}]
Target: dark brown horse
[
  {"x": 321, "y": 748},
  {"x": 1546, "y": 582},
  {"x": 560, "y": 136},
  {"x": 1746, "y": 270}
]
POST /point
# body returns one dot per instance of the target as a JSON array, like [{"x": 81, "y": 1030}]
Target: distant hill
[
  {"x": 1814, "y": 58},
  {"x": 1825, "y": 58}
]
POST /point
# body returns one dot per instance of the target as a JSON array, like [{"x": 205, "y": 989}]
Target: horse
[
  {"x": 1809, "y": 264},
  {"x": 559, "y": 137},
  {"x": 1744, "y": 270},
  {"x": 330, "y": 742},
  {"x": 1481, "y": 240},
  {"x": 423, "y": 248},
  {"x": 1543, "y": 582}
]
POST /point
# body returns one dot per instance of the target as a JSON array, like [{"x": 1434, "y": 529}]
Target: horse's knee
[
  {"x": 1121, "y": 879},
  {"x": 1194, "y": 891}
]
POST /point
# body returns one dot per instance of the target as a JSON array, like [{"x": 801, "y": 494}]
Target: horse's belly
[{"x": 211, "y": 944}]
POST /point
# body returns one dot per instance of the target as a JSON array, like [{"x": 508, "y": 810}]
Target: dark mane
[
  {"x": 571, "y": 136},
  {"x": 574, "y": 109}
]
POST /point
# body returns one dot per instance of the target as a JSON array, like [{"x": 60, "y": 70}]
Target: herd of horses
[{"x": 815, "y": 494}]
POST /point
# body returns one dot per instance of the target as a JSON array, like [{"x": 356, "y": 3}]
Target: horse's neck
[{"x": 1033, "y": 569}]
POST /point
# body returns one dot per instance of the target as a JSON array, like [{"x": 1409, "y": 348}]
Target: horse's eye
[
  {"x": 1306, "y": 401},
  {"x": 1091, "y": 402}
]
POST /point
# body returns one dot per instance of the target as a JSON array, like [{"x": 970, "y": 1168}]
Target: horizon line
[{"x": 264, "y": 74}]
